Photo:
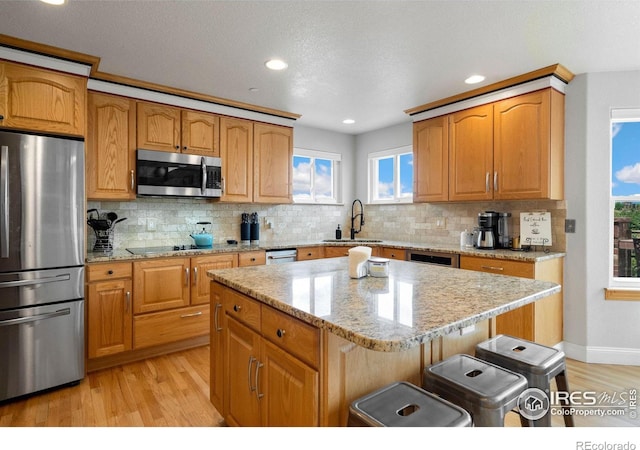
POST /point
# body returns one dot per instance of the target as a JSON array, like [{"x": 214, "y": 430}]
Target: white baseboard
[{"x": 602, "y": 355}]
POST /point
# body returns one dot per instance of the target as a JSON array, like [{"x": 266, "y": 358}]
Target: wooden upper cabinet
[
  {"x": 431, "y": 160},
  {"x": 158, "y": 127},
  {"x": 42, "y": 100},
  {"x": 471, "y": 154},
  {"x": 200, "y": 133},
  {"x": 273, "y": 167},
  {"x": 111, "y": 146},
  {"x": 236, "y": 153},
  {"x": 529, "y": 146}
]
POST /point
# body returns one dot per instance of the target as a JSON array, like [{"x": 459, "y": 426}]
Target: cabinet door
[
  {"x": 200, "y": 133},
  {"x": 289, "y": 390},
  {"x": 201, "y": 283},
  {"x": 158, "y": 127},
  {"x": 218, "y": 325},
  {"x": 42, "y": 100},
  {"x": 522, "y": 146},
  {"x": 109, "y": 317},
  {"x": 471, "y": 154},
  {"x": 272, "y": 163},
  {"x": 236, "y": 152},
  {"x": 518, "y": 322},
  {"x": 160, "y": 284},
  {"x": 242, "y": 347},
  {"x": 111, "y": 147},
  {"x": 431, "y": 160}
]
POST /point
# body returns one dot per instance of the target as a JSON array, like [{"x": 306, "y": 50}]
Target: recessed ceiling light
[
  {"x": 473, "y": 79},
  {"x": 348, "y": 121},
  {"x": 276, "y": 64},
  {"x": 54, "y": 2}
]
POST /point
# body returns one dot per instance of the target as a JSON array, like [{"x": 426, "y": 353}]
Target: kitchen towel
[{"x": 358, "y": 257}]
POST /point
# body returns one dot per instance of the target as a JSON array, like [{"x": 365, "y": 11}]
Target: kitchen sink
[{"x": 352, "y": 240}]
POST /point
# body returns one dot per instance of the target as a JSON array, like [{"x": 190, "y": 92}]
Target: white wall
[{"x": 595, "y": 330}]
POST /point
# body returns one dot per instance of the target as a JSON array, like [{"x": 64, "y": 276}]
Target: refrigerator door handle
[
  {"x": 19, "y": 283},
  {"x": 19, "y": 320},
  {"x": 4, "y": 202}
]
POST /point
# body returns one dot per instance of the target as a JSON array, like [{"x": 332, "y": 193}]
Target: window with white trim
[
  {"x": 316, "y": 176},
  {"x": 624, "y": 204},
  {"x": 391, "y": 176}
]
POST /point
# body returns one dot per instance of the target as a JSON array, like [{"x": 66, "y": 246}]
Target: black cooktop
[{"x": 160, "y": 249}]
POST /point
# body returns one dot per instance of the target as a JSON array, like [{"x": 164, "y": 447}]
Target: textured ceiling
[{"x": 366, "y": 60}]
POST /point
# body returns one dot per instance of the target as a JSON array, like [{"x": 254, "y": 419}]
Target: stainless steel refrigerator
[{"x": 41, "y": 263}]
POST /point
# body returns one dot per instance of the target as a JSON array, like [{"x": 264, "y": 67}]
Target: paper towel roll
[{"x": 358, "y": 257}]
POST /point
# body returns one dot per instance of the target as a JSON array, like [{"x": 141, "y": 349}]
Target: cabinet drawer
[
  {"x": 108, "y": 271},
  {"x": 393, "y": 253},
  {"x": 292, "y": 335},
  {"x": 170, "y": 326},
  {"x": 334, "y": 252},
  {"x": 243, "y": 308},
  {"x": 499, "y": 266},
  {"x": 257, "y": 258},
  {"x": 306, "y": 253}
]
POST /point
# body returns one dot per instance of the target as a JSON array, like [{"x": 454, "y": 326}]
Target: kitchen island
[{"x": 296, "y": 343}]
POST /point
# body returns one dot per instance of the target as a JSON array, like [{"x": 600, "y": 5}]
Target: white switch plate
[
  {"x": 441, "y": 223},
  {"x": 151, "y": 224}
]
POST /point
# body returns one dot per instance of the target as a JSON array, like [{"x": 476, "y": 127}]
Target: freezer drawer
[{"x": 41, "y": 347}]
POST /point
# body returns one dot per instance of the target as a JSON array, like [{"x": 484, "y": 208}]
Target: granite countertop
[
  {"x": 530, "y": 256},
  {"x": 415, "y": 304}
]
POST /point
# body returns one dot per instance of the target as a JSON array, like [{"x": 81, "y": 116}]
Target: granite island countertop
[{"x": 415, "y": 304}]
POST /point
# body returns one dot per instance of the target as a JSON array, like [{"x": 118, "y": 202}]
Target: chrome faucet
[{"x": 354, "y": 217}]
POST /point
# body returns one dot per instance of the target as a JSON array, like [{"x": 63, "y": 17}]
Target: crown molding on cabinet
[
  {"x": 558, "y": 75},
  {"x": 62, "y": 60},
  {"x": 491, "y": 97}
]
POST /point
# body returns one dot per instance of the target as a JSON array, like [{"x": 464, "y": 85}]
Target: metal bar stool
[
  {"x": 539, "y": 364},
  {"x": 487, "y": 391},
  {"x": 403, "y": 404}
]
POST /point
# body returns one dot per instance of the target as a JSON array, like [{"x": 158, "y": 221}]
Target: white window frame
[
  {"x": 336, "y": 158},
  {"x": 373, "y": 175},
  {"x": 619, "y": 116}
]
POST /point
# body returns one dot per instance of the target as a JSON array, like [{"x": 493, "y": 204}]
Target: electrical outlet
[
  {"x": 151, "y": 224},
  {"x": 441, "y": 223},
  {"x": 570, "y": 226}
]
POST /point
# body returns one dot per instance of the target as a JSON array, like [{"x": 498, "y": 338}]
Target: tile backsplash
[{"x": 156, "y": 221}]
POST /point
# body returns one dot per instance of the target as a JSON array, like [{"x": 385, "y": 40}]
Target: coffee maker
[{"x": 486, "y": 234}]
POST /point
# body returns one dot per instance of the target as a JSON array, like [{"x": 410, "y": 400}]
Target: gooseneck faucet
[{"x": 354, "y": 217}]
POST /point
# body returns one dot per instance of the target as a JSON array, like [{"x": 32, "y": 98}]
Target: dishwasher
[
  {"x": 281, "y": 255},
  {"x": 432, "y": 257}
]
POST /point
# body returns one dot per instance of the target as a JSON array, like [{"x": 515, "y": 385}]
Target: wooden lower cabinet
[
  {"x": 252, "y": 258},
  {"x": 336, "y": 251},
  {"x": 262, "y": 382},
  {"x": 109, "y": 309},
  {"x": 393, "y": 253},
  {"x": 170, "y": 326},
  {"x": 540, "y": 321},
  {"x": 271, "y": 369},
  {"x": 307, "y": 253}
]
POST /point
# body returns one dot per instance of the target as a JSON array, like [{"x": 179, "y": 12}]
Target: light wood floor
[{"x": 173, "y": 391}]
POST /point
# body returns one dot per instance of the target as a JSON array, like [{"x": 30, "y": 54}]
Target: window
[
  {"x": 625, "y": 198},
  {"x": 316, "y": 176},
  {"x": 391, "y": 176}
]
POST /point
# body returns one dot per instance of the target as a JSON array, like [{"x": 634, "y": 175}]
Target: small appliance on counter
[
  {"x": 485, "y": 234},
  {"x": 504, "y": 230}
]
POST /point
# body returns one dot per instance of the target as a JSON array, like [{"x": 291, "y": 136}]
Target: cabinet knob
[
  {"x": 109, "y": 272},
  {"x": 177, "y": 147},
  {"x": 184, "y": 148},
  {"x": 1, "y": 117},
  {"x": 253, "y": 259},
  {"x": 237, "y": 308},
  {"x": 280, "y": 332}
]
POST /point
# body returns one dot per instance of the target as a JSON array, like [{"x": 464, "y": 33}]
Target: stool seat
[
  {"x": 403, "y": 404},
  {"x": 486, "y": 390},
  {"x": 538, "y": 363}
]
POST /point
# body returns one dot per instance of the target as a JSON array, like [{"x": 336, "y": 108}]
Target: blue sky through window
[{"x": 625, "y": 159}]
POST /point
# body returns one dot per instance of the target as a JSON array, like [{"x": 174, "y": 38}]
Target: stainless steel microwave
[{"x": 167, "y": 174}]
